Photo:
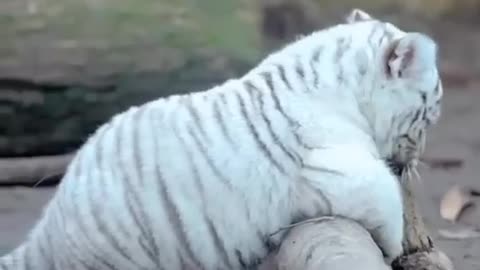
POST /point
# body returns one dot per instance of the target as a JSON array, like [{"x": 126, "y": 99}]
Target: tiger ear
[
  {"x": 357, "y": 15},
  {"x": 410, "y": 55}
]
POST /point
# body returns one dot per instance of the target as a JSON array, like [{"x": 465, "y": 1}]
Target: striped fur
[{"x": 201, "y": 181}]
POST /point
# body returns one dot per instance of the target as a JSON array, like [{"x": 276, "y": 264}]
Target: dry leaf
[
  {"x": 459, "y": 233},
  {"x": 455, "y": 200}
]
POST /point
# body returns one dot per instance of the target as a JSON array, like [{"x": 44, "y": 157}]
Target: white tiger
[{"x": 200, "y": 181}]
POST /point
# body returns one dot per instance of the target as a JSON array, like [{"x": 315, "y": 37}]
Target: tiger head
[{"x": 405, "y": 92}]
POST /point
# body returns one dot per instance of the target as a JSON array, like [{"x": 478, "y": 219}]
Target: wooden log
[
  {"x": 334, "y": 243},
  {"x": 33, "y": 171}
]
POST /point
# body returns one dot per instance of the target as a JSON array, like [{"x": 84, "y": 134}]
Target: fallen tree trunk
[
  {"x": 334, "y": 243},
  {"x": 33, "y": 171}
]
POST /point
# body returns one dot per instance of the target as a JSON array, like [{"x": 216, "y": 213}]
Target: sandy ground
[{"x": 456, "y": 136}]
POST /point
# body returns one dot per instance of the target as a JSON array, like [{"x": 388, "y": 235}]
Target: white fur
[{"x": 349, "y": 124}]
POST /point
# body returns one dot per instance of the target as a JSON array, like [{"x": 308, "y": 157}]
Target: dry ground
[{"x": 457, "y": 136}]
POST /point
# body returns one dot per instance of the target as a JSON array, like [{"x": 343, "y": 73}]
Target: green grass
[{"x": 215, "y": 25}]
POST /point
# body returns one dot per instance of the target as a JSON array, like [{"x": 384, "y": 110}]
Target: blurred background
[{"x": 66, "y": 66}]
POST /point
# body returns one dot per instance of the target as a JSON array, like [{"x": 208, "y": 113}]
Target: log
[
  {"x": 335, "y": 243},
  {"x": 331, "y": 243},
  {"x": 33, "y": 171},
  {"x": 68, "y": 66}
]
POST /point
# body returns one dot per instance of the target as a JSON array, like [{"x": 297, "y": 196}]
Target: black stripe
[
  {"x": 68, "y": 239},
  {"x": 301, "y": 74},
  {"x": 216, "y": 239},
  {"x": 391, "y": 128},
  {"x": 84, "y": 229},
  {"x": 342, "y": 47},
  {"x": 197, "y": 119},
  {"x": 101, "y": 226},
  {"x": 79, "y": 259},
  {"x": 416, "y": 116},
  {"x": 424, "y": 114},
  {"x": 250, "y": 87},
  {"x": 299, "y": 69},
  {"x": 317, "y": 53},
  {"x": 124, "y": 232},
  {"x": 153, "y": 249},
  {"x": 316, "y": 77},
  {"x": 423, "y": 96},
  {"x": 98, "y": 145},
  {"x": 291, "y": 122},
  {"x": 173, "y": 213},
  {"x": 221, "y": 121},
  {"x": 49, "y": 260},
  {"x": 43, "y": 251},
  {"x": 98, "y": 219},
  {"x": 134, "y": 203},
  {"x": 269, "y": 80},
  {"x": 219, "y": 245},
  {"x": 198, "y": 182},
  {"x": 361, "y": 61},
  {"x": 409, "y": 139},
  {"x": 240, "y": 259},
  {"x": 283, "y": 77},
  {"x": 404, "y": 119},
  {"x": 261, "y": 145},
  {"x": 46, "y": 254},
  {"x": 211, "y": 163},
  {"x": 320, "y": 195},
  {"x": 436, "y": 90},
  {"x": 427, "y": 119},
  {"x": 95, "y": 216},
  {"x": 84, "y": 232},
  {"x": 117, "y": 220},
  {"x": 131, "y": 201},
  {"x": 66, "y": 258}
]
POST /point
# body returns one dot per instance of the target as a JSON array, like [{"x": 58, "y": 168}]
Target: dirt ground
[{"x": 457, "y": 136}]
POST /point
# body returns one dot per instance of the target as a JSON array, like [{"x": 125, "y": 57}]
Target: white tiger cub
[{"x": 200, "y": 181}]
